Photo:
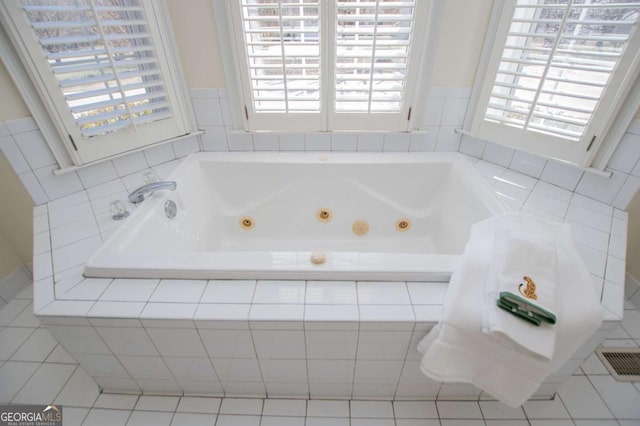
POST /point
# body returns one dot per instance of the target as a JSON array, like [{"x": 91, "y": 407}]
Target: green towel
[{"x": 524, "y": 309}]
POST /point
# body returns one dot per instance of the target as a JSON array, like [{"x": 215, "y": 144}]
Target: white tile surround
[
  {"x": 590, "y": 397},
  {"x": 325, "y": 340}
]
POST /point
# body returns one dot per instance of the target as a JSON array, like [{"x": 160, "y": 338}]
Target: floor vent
[{"x": 622, "y": 363}]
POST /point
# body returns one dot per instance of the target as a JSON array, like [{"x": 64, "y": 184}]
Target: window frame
[
  {"x": 53, "y": 116},
  {"x": 427, "y": 13},
  {"x": 612, "y": 115}
]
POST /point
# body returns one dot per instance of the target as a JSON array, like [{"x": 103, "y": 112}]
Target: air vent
[{"x": 622, "y": 363}]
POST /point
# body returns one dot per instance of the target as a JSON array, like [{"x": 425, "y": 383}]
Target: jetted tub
[{"x": 333, "y": 216}]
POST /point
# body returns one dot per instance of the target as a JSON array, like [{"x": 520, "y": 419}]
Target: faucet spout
[{"x": 139, "y": 194}]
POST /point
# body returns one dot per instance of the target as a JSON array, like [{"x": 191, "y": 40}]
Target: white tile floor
[{"x": 35, "y": 369}]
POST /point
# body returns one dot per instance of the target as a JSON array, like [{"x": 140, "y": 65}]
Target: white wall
[
  {"x": 462, "y": 32},
  {"x": 15, "y": 219},
  {"x": 11, "y": 104},
  {"x": 195, "y": 30},
  {"x": 16, "y": 229},
  {"x": 9, "y": 260},
  {"x": 633, "y": 239}
]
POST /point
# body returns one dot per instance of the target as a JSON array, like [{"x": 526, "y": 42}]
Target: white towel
[
  {"x": 458, "y": 351},
  {"x": 525, "y": 249}
]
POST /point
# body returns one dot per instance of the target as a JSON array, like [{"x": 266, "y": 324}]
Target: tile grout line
[
  {"x": 613, "y": 416},
  {"x": 206, "y": 351},
  {"x": 304, "y": 336},
  {"x": 66, "y": 382},
  {"x": 25, "y": 382},
  {"x": 355, "y": 358},
  {"x": 22, "y": 344}
]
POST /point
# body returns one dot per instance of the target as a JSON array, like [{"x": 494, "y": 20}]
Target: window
[
  {"x": 328, "y": 65},
  {"x": 102, "y": 72},
  {"x": 558, "y": 73}
]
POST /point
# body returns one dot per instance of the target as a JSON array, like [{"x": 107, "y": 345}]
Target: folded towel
[
  {"x": 457, "y": 350},
  {"x": 524, "y": 264}
]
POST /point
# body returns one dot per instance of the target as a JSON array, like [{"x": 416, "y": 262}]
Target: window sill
[
  {"x": 64, "y": 170},
  {"x": 602, "y": 173}
]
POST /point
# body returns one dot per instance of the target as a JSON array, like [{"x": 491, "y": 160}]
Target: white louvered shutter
[
  {"x": 327, "y": 65},
  {"x": 371, "y": 62},
  {"x": 100, "y": 63},
  {"x": 281, "y": 42},
  {"x": 556, "y": 63}
]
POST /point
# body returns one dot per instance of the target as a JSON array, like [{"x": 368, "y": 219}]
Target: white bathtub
[{"x": 440, "y": 195}]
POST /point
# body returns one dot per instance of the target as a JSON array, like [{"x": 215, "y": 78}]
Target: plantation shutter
[
  {"x": 281, "y": 39},
  {"x": 100, "y": 63},
  {"x": 557, "y": 64},
  {"x": 335, "y": 65},
  {"x": 373, "y": 40}
]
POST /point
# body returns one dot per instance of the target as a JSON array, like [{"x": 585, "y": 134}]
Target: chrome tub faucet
[{"x": 141, "y": 193}]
